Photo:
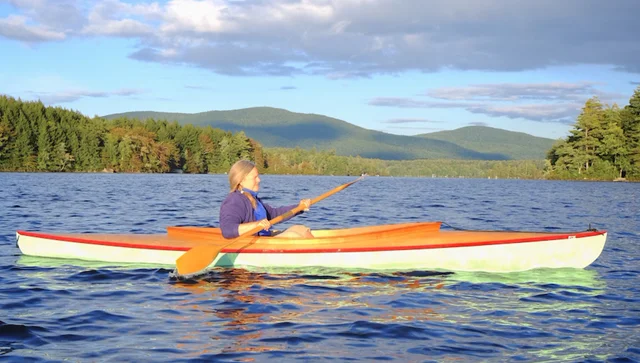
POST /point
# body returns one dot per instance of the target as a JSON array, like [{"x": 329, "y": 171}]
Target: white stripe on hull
[
  {"x": 44, "y": 247},
  {"x": 577, "y": 252}
]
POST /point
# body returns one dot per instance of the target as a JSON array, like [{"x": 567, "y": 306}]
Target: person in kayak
[{"x": 242, "y": 210}]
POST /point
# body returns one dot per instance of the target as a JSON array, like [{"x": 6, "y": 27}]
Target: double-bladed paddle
[{"x": 198, "y": 258}]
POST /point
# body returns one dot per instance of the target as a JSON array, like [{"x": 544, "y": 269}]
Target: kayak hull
[{"x": 409, "y": 246}]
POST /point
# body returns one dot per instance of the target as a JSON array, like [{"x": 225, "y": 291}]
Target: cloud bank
[
  {"x": 74, "y": 95},
  {"x": 544, "y": 102},
  {"x": 345, "y": 38}
]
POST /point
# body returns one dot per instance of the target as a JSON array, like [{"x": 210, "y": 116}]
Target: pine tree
[
  {"x": 6, "y": 134},
  {"x": 23, "y": 155},
  {"x": 588, "y": 132},
  {"x": 614, "y": 147},
  {"x": 630, "y": 122},
  {"x": 45, "y": 147}
]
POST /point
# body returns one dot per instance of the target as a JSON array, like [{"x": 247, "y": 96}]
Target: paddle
[{"x": 200, "y": 257}]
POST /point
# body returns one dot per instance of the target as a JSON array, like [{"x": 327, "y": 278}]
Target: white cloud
[
  {"x": 562, "y": 113},
  {"x": 194, "y": 16},
  {"x": 61, "y": 15},
  {"x": 517, "y": 91},
  {"x": 121, "y": 19},
  {"x": 543, "y": 102},
  {"x": 123, "y": 28},
  {"x": 16, "y": 27},
  {"x": 74, "y": 95}
]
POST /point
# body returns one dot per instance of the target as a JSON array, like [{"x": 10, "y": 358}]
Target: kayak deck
[{"x": 405, "y": 236}]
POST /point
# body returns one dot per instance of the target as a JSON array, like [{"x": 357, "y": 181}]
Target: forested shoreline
[
  {"x": 604, "y": 144},
  {"x": 38, "y": 138}
]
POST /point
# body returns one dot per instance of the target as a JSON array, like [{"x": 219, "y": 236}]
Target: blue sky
[{"x": 398, "y": 66}]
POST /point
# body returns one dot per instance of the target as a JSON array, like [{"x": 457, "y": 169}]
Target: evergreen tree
[
  {"x": 6, "y": 134},
  {"x": 61, "y": 158},
  {"x": 587, "y": 133},
  {"x": 186, "y": 139},
  {"x": 23, "y": 156},
  {"x": 614, "y": 147},
  {"x": 92, "y": 135},
  {"x": 630, "y": 123},
  {"x": 111, "y": 151},
  {"x": 45, "y": 148}
]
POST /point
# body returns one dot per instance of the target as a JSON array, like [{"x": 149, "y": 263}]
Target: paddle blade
[{"x": 197, "y": 259}]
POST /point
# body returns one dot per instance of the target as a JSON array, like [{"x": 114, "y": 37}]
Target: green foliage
[
  {"x": 630, "y": 124},
  {"x": 38, "y": 138},
  {"x": 300, "y": 161},
  {"x": 604, "y": 144}
]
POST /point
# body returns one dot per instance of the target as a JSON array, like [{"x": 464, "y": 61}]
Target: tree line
[
  {"x": 33, "y": 137},
  {"x": 38, "y": 138},
  {"x": 604, "y": 144},
  {"x": 300, "y": 161}
]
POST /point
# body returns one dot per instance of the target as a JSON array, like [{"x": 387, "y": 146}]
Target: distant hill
[
  {"x": 491, "y": 140},
  {"x": 274, "y": 127}
]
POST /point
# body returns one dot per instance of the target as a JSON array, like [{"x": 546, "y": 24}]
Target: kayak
[{"x": 406, "y": 246}]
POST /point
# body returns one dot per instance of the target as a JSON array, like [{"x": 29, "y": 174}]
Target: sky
[{"x": 403, "y": 67}]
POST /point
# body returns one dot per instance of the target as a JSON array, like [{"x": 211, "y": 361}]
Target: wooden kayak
[{"x": 407, "y": 246}]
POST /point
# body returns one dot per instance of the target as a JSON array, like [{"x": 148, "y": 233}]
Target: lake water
[{"x": 64, "y": 310}]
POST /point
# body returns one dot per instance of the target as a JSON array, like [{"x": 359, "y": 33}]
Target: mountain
[
  {"x": 491, "y": 140},
  {"x": 274, "y": 127}
]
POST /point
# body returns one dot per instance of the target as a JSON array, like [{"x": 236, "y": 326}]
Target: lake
[{"x": 65, "y": 310}]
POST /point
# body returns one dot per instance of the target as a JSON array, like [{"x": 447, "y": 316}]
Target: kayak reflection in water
[{"x": 242, "y": 210}]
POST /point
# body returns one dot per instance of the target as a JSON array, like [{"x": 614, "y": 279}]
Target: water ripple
[{"x": 66, "y": 310}]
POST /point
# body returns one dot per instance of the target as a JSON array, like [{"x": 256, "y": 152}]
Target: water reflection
[
  {"x": 236, "y": 313},
  {"x": 259, "y": 311},
  {"x": 554, "y": 304},
  {"x": 560, "y": 276},
  {"x": 254, "y": 307},
  {"x": 36, "y": 261}
]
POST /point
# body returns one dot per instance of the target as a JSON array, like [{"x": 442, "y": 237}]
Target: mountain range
[{"x": 273, "y": 127}]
